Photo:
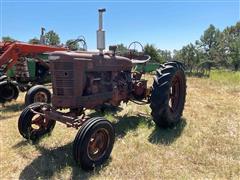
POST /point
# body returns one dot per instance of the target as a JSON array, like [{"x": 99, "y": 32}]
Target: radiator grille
[
  {"x": 64, "y": 78},
  {"x": 64, "y": 74},
  {"x": 63, "y": 65},
  {"x": 64, "y": 83}
]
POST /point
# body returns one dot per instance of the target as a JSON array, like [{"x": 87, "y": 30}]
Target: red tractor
[
  {"x": 16, "y": 53},
  {"x": 90, "y": 80}
]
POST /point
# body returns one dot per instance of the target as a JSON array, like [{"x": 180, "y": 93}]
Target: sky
[{"x": 166, "y": 24}]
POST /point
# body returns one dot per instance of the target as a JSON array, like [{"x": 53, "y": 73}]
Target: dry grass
[{"x": 205, "y": 145}]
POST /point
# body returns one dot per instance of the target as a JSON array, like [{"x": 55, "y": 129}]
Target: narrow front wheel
[
  {"x": 93, "y": 143},
  {"x": 32, "y": 124},
  {"x": 37, "y": 93}
]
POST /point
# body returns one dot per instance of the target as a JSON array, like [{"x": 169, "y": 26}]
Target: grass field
[{"x": 205, "y": 145}]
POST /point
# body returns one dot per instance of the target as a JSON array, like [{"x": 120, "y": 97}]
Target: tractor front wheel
[
  {"x": 168, "y": 94},
  {"x": 32, "y": 125},
  {"x": 93, "y": 143},
  {"x": 37, "y": 93}
]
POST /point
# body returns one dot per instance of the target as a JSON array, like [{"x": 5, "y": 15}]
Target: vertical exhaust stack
[
  {"x": 42, "y": 37},
  {"x": 101, "y": 32}
]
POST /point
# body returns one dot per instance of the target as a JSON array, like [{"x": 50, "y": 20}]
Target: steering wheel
[
  {"x": 82, "y": 40},
  {"x": 134, "y": 51},
  {"x": 137, "y": 57}
]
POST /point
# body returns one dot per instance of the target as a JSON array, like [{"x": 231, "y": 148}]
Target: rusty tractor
[{"x": 89, "y": 80}]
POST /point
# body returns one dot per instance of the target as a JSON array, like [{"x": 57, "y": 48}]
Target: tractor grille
[
  {"x": 64, "y": 83},
  {"x": 63, "y": 65},
  {"x": 63, "y": 78}
]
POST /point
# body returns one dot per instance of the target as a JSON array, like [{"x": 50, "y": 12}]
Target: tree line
[{"x": 215, "y": 48}]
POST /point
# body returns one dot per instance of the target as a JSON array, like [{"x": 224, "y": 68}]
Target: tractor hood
[{"x": 107, "y": 59}]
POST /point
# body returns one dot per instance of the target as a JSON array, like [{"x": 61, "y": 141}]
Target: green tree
[
  {"x": 121, "y": 49},
  {"x": 34, "y": 41},
  {"x": 52, "y": 38},
  {"x": 235, "y": 53},
  {"x": 232, "y": 45},
  {"x": 177, "y": 55},
  {"x": 190, "y": 56},
  {"x": 72, "y": 44},
  {"x": 209, "y": 42},
  {"x": 165, "y": 55},
  {"x": 152, "y": 51},
  {"x": 7, "y": 38}
]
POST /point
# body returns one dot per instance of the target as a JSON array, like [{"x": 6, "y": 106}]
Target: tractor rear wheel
[
  {"x": 8, "y": 91},
  {"x": 37, "y": 93},
  {"x": 93, "y": 143},
  {"x": 33, "y": 126},
  {"x": 168, "y": 94}
]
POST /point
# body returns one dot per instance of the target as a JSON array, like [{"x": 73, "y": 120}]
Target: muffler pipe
[{"x": 101, "y": 32}]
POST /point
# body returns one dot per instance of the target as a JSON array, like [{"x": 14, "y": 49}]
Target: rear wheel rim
[
  {"x": 175, "y": 93},
  {"x": 98, "y": 144}
]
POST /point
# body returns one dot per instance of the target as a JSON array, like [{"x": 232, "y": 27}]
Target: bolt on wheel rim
[
  {"x": 98, "y": 144},
  {"x": 38, "y": 123}
]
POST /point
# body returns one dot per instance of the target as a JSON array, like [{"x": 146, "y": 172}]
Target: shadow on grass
[
  {"x": 130, "y": 123},
  {"x": 167, "y": 136},
  {"x": 53, "y": 161},
  {"x": 125, "y": 123},
  {"x": 20, "y": 144},
  {"x": 12, "y": 108},
  {"x": 105, "y": 110},
  {"x": 2, "y": 118}
]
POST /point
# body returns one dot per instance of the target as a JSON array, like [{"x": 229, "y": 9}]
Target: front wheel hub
[
  {"x": 40, "y": 97},
  {"x": 98, "y": 144}
]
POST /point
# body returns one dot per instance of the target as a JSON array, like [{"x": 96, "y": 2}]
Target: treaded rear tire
[{"x": 169, "y": 86}]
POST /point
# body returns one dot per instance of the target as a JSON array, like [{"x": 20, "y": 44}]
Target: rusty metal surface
[
  {"x": 140, "y": 89},
  {"x": 88, "y": 79}
]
